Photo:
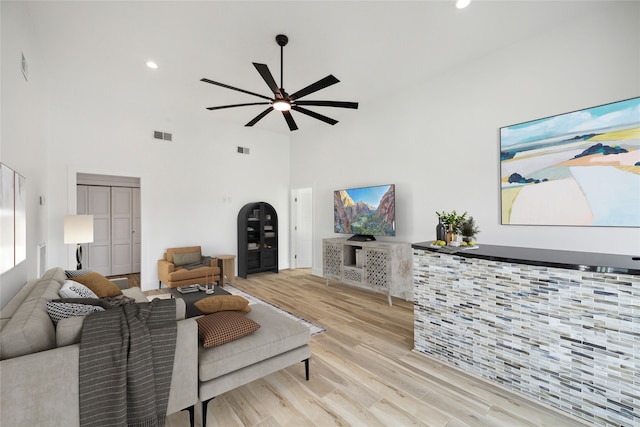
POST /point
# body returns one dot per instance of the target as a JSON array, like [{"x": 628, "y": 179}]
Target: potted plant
[
  {"x": 469, "y": 229},
  {"x": 451, "y": 221}
]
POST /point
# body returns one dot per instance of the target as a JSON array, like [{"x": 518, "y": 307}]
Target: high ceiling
[{"x": 375, "y": 48}]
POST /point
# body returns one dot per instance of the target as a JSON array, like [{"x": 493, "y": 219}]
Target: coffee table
[{"x": 193, "y": 297}]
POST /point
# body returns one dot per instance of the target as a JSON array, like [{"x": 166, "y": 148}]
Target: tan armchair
[{"x": 172, "y": 271}]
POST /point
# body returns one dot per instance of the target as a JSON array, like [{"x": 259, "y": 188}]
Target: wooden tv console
[{"x": 379, "y": 266}]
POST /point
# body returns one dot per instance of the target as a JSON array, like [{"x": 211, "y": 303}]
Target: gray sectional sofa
[
  {"x": 39, "y": 369},
  {"x": 39, "y": 361}
]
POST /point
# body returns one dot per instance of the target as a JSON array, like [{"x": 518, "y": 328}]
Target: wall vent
[
  {"x": 243, "y": 150},
  {"x": 166, "y": 136}
]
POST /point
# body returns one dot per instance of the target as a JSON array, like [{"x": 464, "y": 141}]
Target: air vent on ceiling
[{"x": 243, "y": 150}]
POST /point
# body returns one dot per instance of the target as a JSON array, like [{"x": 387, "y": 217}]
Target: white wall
[
  {"x": 63, "y": 122},
  {"x": 439, "y": 142},
  {"x": 185, "y": 184},
  {"x": 22, "y": 141}
]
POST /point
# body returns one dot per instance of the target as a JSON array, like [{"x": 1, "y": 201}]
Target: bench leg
[
  {"x": 192, "y": 410},
  {"x": 204, "y": 411},
  {"x": 306, "y": 368}
]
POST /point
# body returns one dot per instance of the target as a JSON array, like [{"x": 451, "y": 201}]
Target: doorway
[
  {"x": 114, "y": 202},
  {"x": 301, "y": 228}
]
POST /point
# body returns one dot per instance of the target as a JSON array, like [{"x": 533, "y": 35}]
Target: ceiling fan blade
[
  {"x": 234, "y": 88},
  {"x": 289, "y": 118},
  {"x": 339, "y": 104},
  {"x": 268, "y": 78},
  {"x": 257, "y": 118},
  {"x": 237, "y": 105},
  {"x": 314, "y": 115},
  {"x": 314, "y": 87}
]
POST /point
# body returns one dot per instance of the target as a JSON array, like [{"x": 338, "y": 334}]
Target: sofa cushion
[
  {"x": 61, "y": 309},
  {"x": 72, "y": 289},
  {"x": 99, "y": 284},
  {"x": 217, "y": 303},
  {"x": 277, "y": 334},
  {"x": 172, "y": 251},
  {"x": 30, "y": 328},
  {"x": 186, "y": 258},
  {"x": 222, "y": 327},
  {"x": 196, "y": 273}
]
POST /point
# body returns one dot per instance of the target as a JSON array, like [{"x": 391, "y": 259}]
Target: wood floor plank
[{"x": 364, "y": 371}]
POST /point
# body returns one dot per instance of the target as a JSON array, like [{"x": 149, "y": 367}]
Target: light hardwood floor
[{"x": 363, "y": 371}]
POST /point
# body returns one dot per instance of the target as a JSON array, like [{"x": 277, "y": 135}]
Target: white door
[
  {"x": 137, "y": 235},
  {"x": 121, "y": 230},
  {"x": 99, "y": 205},
  {"x": 302, "y": 226}
]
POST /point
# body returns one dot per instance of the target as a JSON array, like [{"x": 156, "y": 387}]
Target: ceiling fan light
[
  {"x": 281, "y": 105},
  {"x": 461, "y": 4}
]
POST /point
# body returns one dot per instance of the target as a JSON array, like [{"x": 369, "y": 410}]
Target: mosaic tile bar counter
[{"x": 567, "y": 338}]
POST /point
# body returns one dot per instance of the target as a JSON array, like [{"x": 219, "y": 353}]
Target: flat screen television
[{"x": 365, "y": 212}]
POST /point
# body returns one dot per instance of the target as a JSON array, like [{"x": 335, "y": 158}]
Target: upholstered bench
[{"x": 278, "y": 343}]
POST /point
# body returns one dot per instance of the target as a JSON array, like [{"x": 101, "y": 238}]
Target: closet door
[
  {"x": 137, "y": 235},
  {"x": 99, "y": 205},
  {"x": 121, "y": 230}
]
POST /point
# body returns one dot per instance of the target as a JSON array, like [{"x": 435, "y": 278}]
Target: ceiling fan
[{"x": 282, "y": 101}]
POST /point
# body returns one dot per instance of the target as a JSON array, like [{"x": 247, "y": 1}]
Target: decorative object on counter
[
  {"x": 452, "y": 222},
  {"x": 469, "y": 230},
  {"x": 441, "y": 232},
  {"x": 451, "y": 235}
]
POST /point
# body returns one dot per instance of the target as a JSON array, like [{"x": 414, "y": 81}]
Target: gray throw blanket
[
  {"x": 126, "y": 362},
  {"x": 204, "y": 262}
]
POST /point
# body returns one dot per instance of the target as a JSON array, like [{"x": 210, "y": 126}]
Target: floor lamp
[{"x": 78, "y": 229}]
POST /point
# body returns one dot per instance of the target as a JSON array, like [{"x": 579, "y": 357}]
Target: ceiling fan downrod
[{"x": 282, "y": 41}]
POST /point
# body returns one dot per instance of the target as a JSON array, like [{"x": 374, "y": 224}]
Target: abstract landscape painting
[{"x": 580, "y": 168}]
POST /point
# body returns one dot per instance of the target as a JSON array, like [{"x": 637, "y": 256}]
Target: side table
[{"x": 228, "y": 267}]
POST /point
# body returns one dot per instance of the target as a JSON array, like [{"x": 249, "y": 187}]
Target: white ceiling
[{"x": 375, "y": 48}]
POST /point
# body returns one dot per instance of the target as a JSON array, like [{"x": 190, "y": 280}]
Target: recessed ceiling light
[
  {"x": 461, "y": 4},
  {"x": 152, "y": 65}
]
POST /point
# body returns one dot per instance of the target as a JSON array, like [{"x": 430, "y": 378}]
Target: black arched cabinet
[{"x": 257, "y": 239}]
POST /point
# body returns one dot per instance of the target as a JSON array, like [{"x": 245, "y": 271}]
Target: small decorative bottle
[
  {"x": 451, "y": 235},
  {"x": 441, "y": 233}
]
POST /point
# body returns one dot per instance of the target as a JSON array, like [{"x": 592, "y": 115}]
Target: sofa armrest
[
  {"x": 184, "y": 380},
  {"x": 32, "y": 386},
  {"x": 164, "y": 269}
]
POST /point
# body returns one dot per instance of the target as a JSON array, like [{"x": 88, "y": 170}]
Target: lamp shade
[{"x": 78, "y": 229}]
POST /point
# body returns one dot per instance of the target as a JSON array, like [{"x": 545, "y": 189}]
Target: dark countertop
[{"x": 583, "y": 261}]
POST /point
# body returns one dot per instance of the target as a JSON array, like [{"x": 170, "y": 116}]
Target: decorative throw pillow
[
  {"x": 185, "y": 258},
  {"x": 217, "y": 303},
  {"x": 76, "y": 273},
  {"x": 73, "y": 289},
  {"x": 99, "y": 284},
  {"x": 61, "y": 310},
  {"x": 223, "y": 327},
  {"x": 98, "y": 302}
]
